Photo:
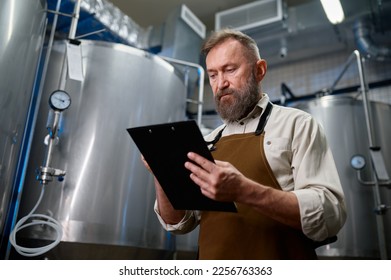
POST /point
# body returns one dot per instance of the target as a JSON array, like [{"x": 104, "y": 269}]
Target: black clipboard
[{"x": 165, "y": 148}]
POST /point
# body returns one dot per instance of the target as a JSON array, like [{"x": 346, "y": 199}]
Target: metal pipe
[
  {"x": 52, "y": 138},
  {"x": 75, "y": 19},
  {"x": 201, "y": 77},
  {"x": 57, "y": 114},
  {"x": 71, "y": 35},
  {"x": 59, "y": 13},
  {"x": 90, "y": 33},
  {"x": 371, "y": 139},
  {"x": 63, "y": 75},
  {"x": 368, "y": 115},
  {"x": 364, "y": 91}
]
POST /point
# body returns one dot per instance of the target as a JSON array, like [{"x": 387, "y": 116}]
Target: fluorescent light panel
[{"x": 333, "y": 10}]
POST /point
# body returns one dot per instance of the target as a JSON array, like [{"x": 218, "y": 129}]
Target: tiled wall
[{"x": 312, "y": 75}]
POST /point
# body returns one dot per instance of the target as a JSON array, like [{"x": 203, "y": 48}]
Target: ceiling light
[{"x": 333, "y": 10}]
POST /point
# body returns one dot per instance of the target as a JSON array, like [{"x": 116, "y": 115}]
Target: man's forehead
[
  {"x": 226, "y": 52},
  {"x": 228, "y": 44}
]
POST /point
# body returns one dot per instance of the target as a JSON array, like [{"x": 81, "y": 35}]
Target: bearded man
[{"x": 272, "y": 161}]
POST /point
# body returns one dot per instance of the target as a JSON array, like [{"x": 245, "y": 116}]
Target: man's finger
[{"x": 201, "y": 161}]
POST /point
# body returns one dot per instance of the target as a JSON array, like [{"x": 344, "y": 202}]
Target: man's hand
[
  {"x": 145, "y": 163},
  {"x": 219, "y": 181}
]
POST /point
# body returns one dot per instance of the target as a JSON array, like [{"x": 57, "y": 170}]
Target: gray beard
[{"x": 243, "y": 102}]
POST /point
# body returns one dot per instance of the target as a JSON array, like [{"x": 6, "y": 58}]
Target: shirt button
[
  {"x": 241, "y": 123},
  {"x": 268, "y": 143}
]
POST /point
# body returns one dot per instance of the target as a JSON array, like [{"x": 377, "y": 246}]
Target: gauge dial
[
  {"x": 357, "y": 162},
  {"x": 59, "y": 100}
]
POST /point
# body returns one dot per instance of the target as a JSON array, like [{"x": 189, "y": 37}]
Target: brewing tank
[
  {"x": 106, "y": 199},
  {"x": 22, "y": 27},
  {"x": 343, "y": 120}
]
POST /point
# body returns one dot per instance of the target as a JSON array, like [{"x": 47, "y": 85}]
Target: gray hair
[{"x": 218, "y": 37}]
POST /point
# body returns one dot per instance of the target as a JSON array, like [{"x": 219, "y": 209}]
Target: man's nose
[{"x": 222, "y": 82}]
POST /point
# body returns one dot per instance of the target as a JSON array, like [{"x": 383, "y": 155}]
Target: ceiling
[
  {"x": 154, "y": 12},
  {"x": 306, "y": 31}
]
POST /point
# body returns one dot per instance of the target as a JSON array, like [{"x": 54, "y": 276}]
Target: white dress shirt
[{"x": 297, "y": 152}]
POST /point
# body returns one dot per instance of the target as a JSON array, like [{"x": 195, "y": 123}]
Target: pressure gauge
[
  {"x": 59, "y": 100},
  {"x": 357, "y": 162}
]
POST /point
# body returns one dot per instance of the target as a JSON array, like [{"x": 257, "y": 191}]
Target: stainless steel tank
[
  {"x": 343, "y": 120},
  {"x": 22, "y": 27},
  {"x": 107, "y": 197}
]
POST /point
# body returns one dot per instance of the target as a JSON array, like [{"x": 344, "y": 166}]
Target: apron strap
[
  {"x": 264, "y": 118},
  {"x": 261, "y": 125}
]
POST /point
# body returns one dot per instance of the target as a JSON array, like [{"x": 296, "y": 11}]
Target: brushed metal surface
[
  {"x": 22, "y": 25},
  {"x": 343, "y": 120},
  {"x": 107, "y": 196}
]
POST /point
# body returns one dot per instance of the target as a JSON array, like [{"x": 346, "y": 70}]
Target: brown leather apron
[{"x": 248, "y": 234}]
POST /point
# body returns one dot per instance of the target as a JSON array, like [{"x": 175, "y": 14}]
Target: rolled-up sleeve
[
  {"x": 316, "y": 182},
  {"x": 187, "y": 224}
]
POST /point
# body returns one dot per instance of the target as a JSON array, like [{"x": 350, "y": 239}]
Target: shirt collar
[{"x": 258, "y": 109}]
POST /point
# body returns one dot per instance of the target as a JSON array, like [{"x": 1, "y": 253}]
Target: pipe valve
[{"x": 46, "y": 174}]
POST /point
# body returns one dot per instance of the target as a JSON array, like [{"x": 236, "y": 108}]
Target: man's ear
[{"x": 261, "y": 69}]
